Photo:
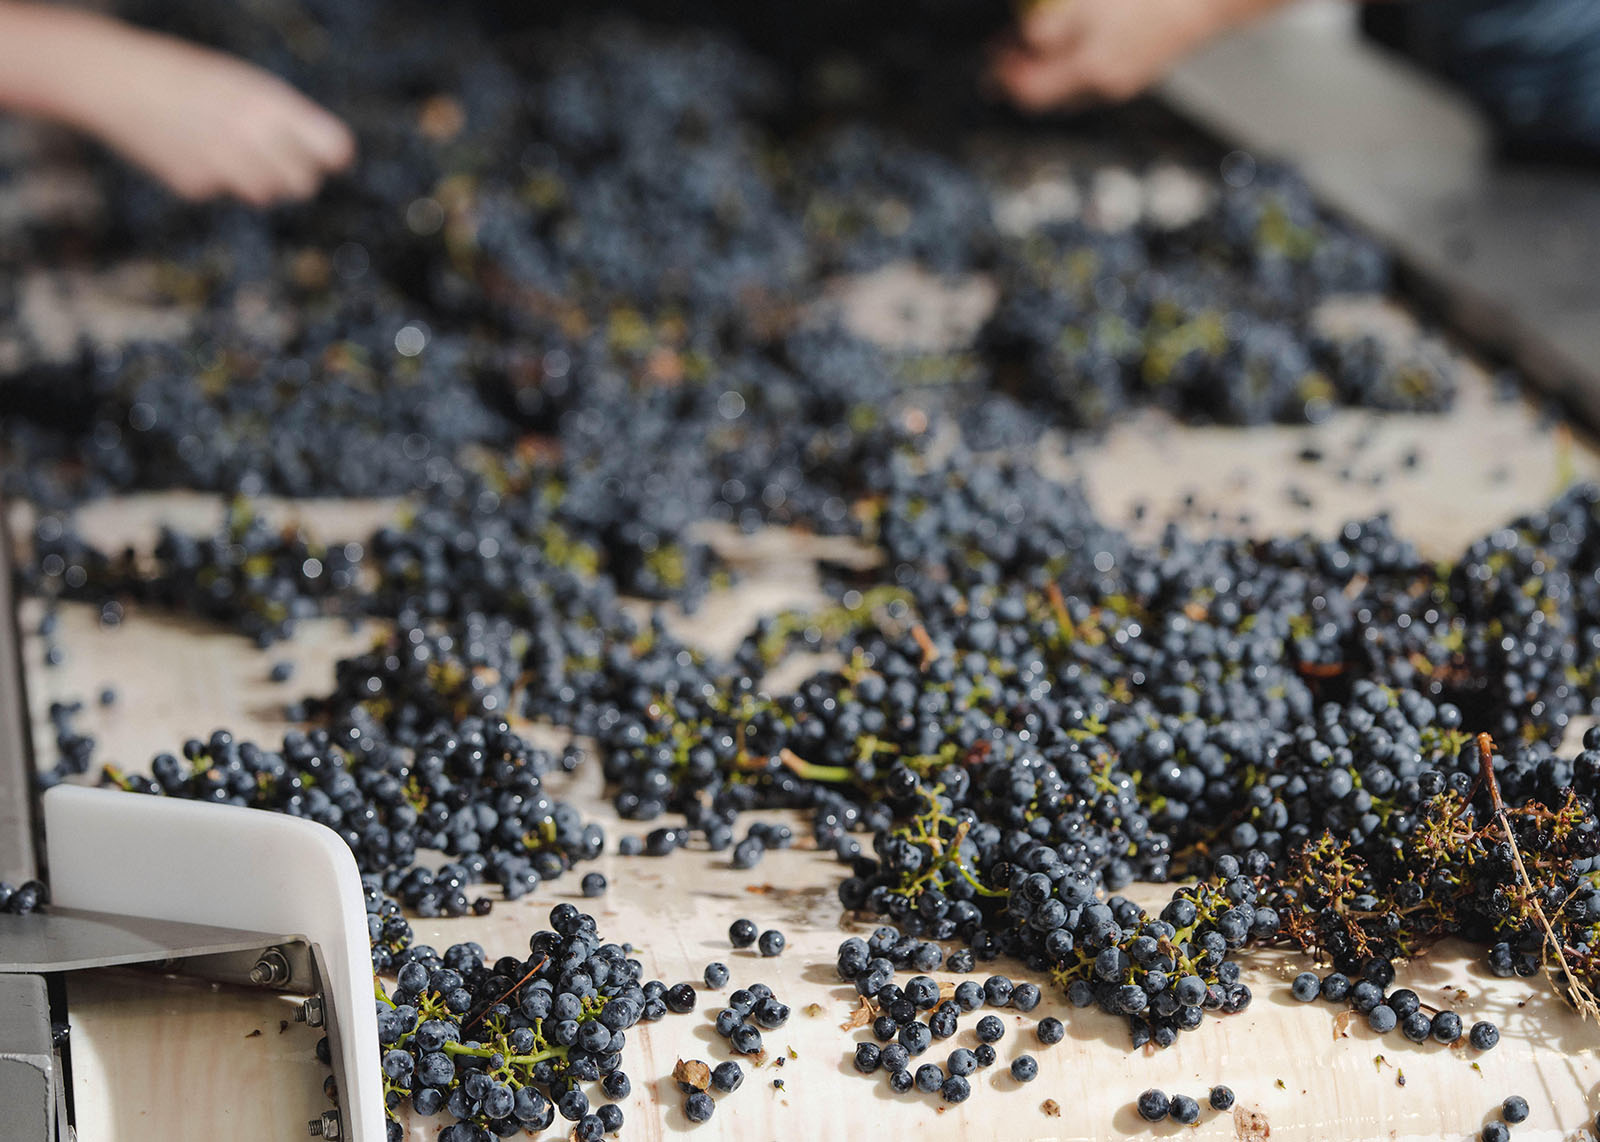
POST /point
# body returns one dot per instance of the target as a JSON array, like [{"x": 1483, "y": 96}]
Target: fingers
[
  {"x": 273, "y": 145},
  {"x": 323, "y": 136},
  {"x": 1075, "y": 74},
  {"x": 1050, "y": 25},
  {"x": 1074, "y": 51},
  {"x": 1040, "y": 82},
  {"x": 284, "y": 152},
  {"x": 1019, "y": 63},
  {"x": 1043, "y": 65},
  {"x": 300, "y": 144}
]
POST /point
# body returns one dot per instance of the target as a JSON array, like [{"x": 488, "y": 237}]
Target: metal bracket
[
  {"x": 32, "y": 1086},
  {"x": 72, "y": 939}
]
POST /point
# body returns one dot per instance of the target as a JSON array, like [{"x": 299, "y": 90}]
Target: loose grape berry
[
  {"x": 1221, "y": 1098},
  {"x": 698, "y": 1107},
  {"x": 742, "y": 933},
  {"x": 1050, "y": 1030},
  {"x": 1365, "y": 995},
  {"x": 573, "y": 1105},
  {"x": 1153, "y": 1106},
  {"x": 716, "y": 976},
  {"x": 771, "y": 942},
  {"x": 1484, "y": 1036},
  {"x": 1514, "y": 1109},
  {"x": 923, "y": 992},
  {"x": 1024, "y": 1068},
  {"x": 916, "y": 1038},
  {"x": 1416, "y": 1026},
  {"x": 727, "y": 1076},
  {"x": 969, "y": 995},
  {"x": 770, "y": 1013},
  {"x": 1403, "y": 1002},
  {"x": 997, "y": 990},
  {"x": 955, "y": 1089},
  {"x": 1184, "y": 1109}
]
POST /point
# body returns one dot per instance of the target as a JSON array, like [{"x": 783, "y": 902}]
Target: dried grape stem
[
  {"x": 1576, "y": 992},
  {"x": 535, "y": 969}
]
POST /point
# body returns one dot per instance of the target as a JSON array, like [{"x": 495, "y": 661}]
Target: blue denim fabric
[{"x": 1533, "y": 65}]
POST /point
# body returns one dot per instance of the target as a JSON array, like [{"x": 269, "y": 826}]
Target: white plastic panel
[{"x": 213, "y": 864}]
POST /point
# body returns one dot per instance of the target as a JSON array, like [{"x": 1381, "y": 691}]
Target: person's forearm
[
  {"x": 50, "y": 55},
  {"x": 202, "y": 122}
]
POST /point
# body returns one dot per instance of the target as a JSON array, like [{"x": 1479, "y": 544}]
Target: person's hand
[
  {"x": 209, "y": 125},
  {"x": 204, "y": 123},
  {"x": 1066, "y": 52}
]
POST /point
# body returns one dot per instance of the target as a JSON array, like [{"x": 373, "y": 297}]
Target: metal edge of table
[
  {"x": 1498, "y": 252},
  {"x": 35, "y": 1077},
  {"x": 19, "y": 834}
]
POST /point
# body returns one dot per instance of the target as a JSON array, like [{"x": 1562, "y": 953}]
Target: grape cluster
[
  {"x": 258, "y": 579},
  {"x": 1214, "y": 318},
  {"x": 508, "y": 1046}
]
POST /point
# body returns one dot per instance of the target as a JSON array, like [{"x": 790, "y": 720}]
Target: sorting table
[{"x": 1301, "y": 1071}]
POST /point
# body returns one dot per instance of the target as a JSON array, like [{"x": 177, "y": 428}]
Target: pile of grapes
[{"x": 572, "y": 304}]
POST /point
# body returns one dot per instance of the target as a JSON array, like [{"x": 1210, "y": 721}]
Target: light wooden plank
[{"x": 178, "y": 678}]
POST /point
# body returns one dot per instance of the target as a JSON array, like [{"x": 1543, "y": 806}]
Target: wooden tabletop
[{"x": 171, "y": 1061}]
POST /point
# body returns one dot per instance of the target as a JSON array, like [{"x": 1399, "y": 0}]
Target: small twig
[{"x": 531, "y": 973}]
